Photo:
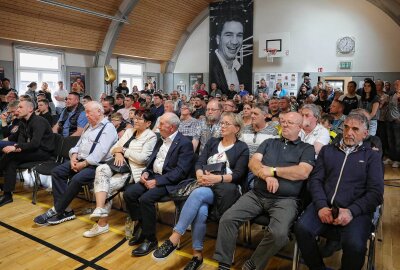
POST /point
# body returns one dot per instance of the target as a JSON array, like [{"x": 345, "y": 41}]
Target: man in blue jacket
[{"x": 346, "y": 186}]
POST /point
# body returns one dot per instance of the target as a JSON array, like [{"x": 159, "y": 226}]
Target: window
[
  {"x": 132, "y": 73},
  {"x": 37, "y": 65}
]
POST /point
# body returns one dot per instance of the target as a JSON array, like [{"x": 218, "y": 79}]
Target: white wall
[
  {"x": 79, "y": 60},
  {"x": 6, "y": 50},
  {"x": 194, "y": 55},
  {"x": 314, "y": 27}
]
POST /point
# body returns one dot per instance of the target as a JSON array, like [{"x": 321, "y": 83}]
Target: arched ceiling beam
[
  {"x": 103, "y": 56},
  {"x": 390, "y": 7},
  {"x": 170, "y": 66}
]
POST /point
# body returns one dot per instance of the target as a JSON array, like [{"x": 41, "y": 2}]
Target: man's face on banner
[{"x": 230, "y": 40}]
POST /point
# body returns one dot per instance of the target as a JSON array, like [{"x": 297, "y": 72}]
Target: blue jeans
[
  {"x": 195, "y": 212},
  {"x": 373, "y": 126},
  {"x": 5, "y": 143},
  {"x": 353, "y": 237}
]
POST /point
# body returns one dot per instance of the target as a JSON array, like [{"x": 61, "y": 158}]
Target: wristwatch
[{"x": 274, "y": 169}]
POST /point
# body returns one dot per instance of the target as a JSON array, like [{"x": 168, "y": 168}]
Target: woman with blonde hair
[{"x": 234, "y": 154}]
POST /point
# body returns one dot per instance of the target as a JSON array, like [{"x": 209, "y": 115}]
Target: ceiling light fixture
[{"x": 86, "y": 11}]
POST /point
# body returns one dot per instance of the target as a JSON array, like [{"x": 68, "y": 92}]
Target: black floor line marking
[
  {"x": 106, "y": 253},
  {"x": 53, "y": 247}
]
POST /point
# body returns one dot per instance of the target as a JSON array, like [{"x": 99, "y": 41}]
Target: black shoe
[
  {"x": 145, "y": 248},
  {"x": 163, "y": 251},
  {"x": 331, "y": 246},
  {"x": 5, "y": 199},
  {"x": 60, "y": 218},
  {"x": 42, "y": 219},
  {"x": 138, "y": 237},
  {"x": 194, "y": 264}
]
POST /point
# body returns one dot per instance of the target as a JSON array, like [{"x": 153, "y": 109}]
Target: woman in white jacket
[{"x": 137, "y": 153}]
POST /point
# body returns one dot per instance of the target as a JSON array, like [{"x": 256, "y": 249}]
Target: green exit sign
[{"x": 345, "y": 64}]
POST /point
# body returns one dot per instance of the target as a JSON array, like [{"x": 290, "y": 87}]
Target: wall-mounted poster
[
  {"x": 1, "y": 73},
  {"x": 195, "y": 78},
  {"x": 231, "y": 44},
  {"x": 77, "y": 82}
]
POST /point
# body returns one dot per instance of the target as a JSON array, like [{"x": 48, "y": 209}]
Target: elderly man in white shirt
[{"x": 312, "y": 132}]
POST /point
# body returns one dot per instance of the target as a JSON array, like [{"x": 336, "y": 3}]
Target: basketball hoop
[{"x": 270, "y": 54}]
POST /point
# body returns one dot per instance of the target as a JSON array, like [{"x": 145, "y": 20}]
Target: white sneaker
[
  {"x": 96, "y": 230},
  {"x": 99, "y": 213},
  {"x": 396, "y": 164},
  {"x": 387, "y": 161}
]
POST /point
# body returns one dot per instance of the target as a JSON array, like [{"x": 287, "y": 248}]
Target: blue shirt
[
  {"x": 82, "y": 121},
  {"x": 101, "y": 151}
]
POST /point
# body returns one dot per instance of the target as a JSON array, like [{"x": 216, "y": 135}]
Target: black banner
[{"x": 231, "y": 44}]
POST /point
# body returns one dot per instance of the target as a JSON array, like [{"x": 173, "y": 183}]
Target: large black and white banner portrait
[{"x": 231, "y": 44}]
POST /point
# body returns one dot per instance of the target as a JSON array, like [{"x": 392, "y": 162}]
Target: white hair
[{"x": 94, "y": 105}]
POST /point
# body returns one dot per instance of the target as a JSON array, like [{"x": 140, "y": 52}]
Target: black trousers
[
  {"x": 9, "y": 163},
  {"x": 63, "y": 191},
  {"x": 140, "y": 203}
]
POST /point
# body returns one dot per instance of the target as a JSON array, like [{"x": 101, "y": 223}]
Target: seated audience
[
  {"x": 323, "y": 101},
  {"x": 336, "y": 110},
  {"x": 198, "y": 105},
  {"x": 43, "y": 110},
  {"x": 336, "y": 210},
  {"x": 312, "y": 132},
  {"x": 108, "y": 106},
  {"x": 235, "y": 154},
  {"x": 189, "y": 126},
  {"x": 280, "y": 166},
  {"x": 128, "y": 102},
  {"x": 9, "y": 121},
  {"x": 68, "y": 178},
  {"x": 119, "y": 102},
  {"x": 246, "y": 114},
  {"x": 72, "y": 118},
  {"x": 120, "y": 125},
  {"x": 169, "y": 164},
  {"x": 34, "y": 142},
  {"x": 136, "y": 145},
  {"x": 209, "y": 127}
]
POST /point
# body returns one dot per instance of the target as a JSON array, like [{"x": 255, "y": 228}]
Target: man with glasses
[
  {"x": 280, "y": 166},
  {"x": 210, "y": 126},
  {"x": 230, "y": 106}
]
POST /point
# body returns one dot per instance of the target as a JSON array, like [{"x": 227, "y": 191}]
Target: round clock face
[{"x": 346, "y": 45}]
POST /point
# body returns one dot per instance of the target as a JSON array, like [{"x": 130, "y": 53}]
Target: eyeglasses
[
  {"x": 225, "y": 124},
  {"x": 212, "y": 109},
  {"x": 255, "y": 137}
]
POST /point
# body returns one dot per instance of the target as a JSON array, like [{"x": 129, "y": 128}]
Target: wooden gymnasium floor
[{"x": 23, "y": 245}]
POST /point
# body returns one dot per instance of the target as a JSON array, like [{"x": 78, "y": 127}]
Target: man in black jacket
[{"x": 35, "y": 142}]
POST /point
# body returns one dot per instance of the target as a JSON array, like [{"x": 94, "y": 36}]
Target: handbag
[
  {"x": 187, "y": 187},
  {"x": 125, "y": 168},
  {"x": 118, "y": 169},
  {"x": 215, "y": 168}
]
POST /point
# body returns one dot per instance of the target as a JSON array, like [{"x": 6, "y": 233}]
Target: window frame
[
  {"x": 131, "y": 76},
  {"x": 60, "y": 70}
]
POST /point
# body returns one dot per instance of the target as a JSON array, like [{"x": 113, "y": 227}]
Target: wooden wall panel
[{"x": 156, "y": 27}]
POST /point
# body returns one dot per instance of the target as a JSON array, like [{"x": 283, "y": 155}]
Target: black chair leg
[{"x": 36, "y": 185}]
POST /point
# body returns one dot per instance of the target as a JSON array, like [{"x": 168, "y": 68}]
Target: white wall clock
[{"x": 346, "y": 45}]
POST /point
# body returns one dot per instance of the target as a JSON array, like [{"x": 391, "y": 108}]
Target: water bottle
[{"x": 129, "y": 225}]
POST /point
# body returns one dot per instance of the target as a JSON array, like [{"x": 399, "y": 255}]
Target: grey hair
[
  {"x": 315, "y": 110},
  {"x": 172, "y": 119},
  {"x": 237, "y": 121},
  {"x": 359, "y": 115},
  {"x": 169, "y": 102},
  {"x": 13, "y": 104},
  {"x": 30, "y": 104},
  {"x": 94, "y": 105},
  {"x": 261, "y": 107}
]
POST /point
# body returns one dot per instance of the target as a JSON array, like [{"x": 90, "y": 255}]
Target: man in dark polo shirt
[{"x": 280, "y": 166}]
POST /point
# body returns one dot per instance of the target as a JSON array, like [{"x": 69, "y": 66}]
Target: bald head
[{"x": 291, "y": 125}]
